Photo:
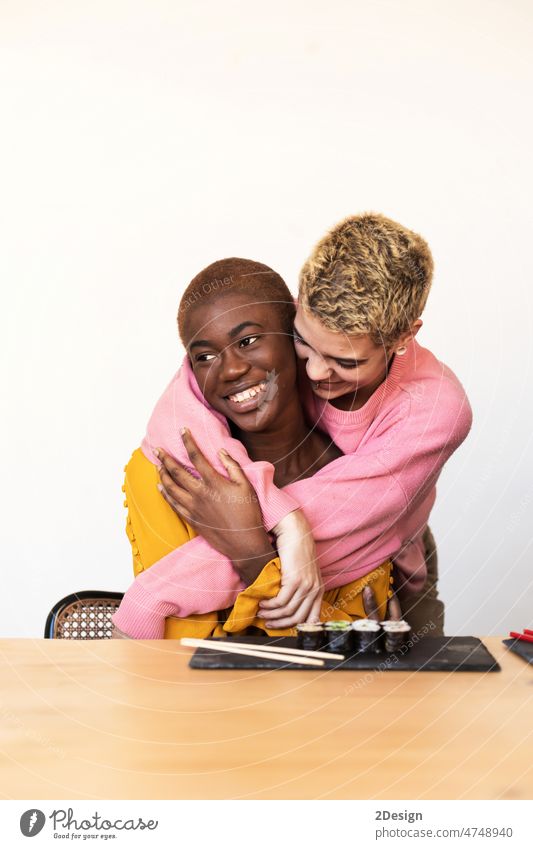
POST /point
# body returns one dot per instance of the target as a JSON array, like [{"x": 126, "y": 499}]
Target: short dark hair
[{"x": 238, "y": 275}]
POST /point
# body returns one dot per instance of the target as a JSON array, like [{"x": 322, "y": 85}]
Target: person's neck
[
  {"x": 289, "y": 444},
  {"x": 277, "y": 442}
]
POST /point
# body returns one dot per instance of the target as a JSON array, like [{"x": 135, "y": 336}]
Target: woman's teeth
[{"x": 248, "y": 393}]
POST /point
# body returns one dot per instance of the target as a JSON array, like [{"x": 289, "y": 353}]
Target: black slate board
[
  {"x": 521, "y": 648},
  {"x": 431, "y": 654}
]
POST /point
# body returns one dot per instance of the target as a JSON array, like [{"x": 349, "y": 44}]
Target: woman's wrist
[{"x": 252, "y": 557}]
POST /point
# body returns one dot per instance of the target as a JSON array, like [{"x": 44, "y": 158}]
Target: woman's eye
[
  {"x": 298, "y": 339},
  {"x": 204, "y": 358},
  {"x": 347, "y": 365},
  {"x": 248, "y": 340}
]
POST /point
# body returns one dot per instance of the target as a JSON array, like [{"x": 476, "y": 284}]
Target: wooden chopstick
[
  {"x": 283, "y": 650},
  {"x": 231, "y": 648}
]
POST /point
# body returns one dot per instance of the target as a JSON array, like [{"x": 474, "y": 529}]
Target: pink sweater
[{"x": 369, "y": 505}]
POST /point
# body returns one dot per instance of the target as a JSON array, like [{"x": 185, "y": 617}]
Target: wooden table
[{"x": 120, "y": 719}]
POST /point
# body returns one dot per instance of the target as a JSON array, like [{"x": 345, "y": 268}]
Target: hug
[{"x": 289, "y": 469}]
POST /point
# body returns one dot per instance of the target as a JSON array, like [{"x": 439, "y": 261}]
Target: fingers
[
  {"x": 395, "y": 609},
  {"x": 370, "y": 604},
  {"x": 301, "y": 604},
  {"x": 176, "y": 497},
  {"x": 177, "y": 506},
  {"x": 175, "y": 490},
  {"x": 234, "y": 469},
  {"x": 176, "y": 472},
  {"x": 287, "y": 609},
  {"x": 300, "y": 615},
  {"x": 314, "y": 613},
  {"x": 288, "y": 598},
  {"x": 196, "y": 457},
  {"x": 283, "y": 597}
]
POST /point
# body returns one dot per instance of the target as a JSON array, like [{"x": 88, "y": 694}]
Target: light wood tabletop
[{"x": 121, "y": 719}]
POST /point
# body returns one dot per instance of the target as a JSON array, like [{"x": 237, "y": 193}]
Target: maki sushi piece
[
  {"x": 310, "y": 636},
  {"x": 338, "y": 636},
  {"x": 367, "y": 635},
  {"x": 396, "y": 633}
]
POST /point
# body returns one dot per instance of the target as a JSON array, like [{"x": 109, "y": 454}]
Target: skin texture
[{"x": 348, "y": 369}]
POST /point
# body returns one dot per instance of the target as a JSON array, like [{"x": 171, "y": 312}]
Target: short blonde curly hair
[{"x": 368, "y": 275}]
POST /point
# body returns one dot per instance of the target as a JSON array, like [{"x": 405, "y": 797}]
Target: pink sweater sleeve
[
  {"x": 183, "y": 405},
  {"x": 192, "y": 579}
]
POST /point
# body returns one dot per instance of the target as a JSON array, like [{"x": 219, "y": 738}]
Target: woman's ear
[
  {"x": 415, "y": 327},
  {"x": 403, "y": 341}
]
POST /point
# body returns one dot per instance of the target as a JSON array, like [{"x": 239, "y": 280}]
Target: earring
[{"x": 401, "y": 351}]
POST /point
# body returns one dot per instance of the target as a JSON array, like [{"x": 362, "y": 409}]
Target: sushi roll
[
  {"x": 367, "y": 635},
  {"x": 396, "y": 633},
  {"x": 338, "y": 636},
  {"x": 310, "y": 636}
]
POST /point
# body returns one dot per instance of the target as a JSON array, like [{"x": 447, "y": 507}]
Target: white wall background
[{"x": 142, "y": 140}]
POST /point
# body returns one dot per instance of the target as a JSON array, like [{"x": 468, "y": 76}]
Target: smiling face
[
  {"x": 243, "y": 359},
  {"x": 339, "y": 364}
]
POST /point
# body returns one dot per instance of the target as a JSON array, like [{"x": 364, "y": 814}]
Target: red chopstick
[
  {"x": 528, "y": 631},
  {"x": 528, "y": 638}
]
